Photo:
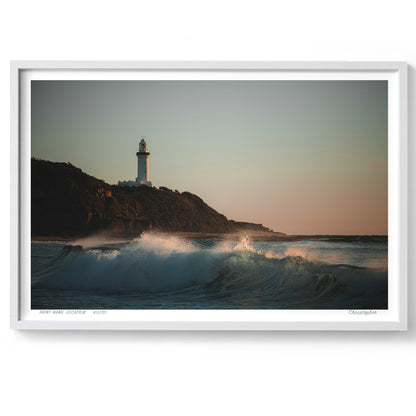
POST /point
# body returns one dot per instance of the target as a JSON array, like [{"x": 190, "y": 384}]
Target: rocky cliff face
[{"x": 66, "y": 202}]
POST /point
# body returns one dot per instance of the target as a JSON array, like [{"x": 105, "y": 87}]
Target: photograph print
[{"x": 209, "y": 194}]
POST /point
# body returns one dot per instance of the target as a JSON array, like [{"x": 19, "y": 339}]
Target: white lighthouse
[
  {"x": 143, "y": 164},
  {"x": 142, "y": 167}
]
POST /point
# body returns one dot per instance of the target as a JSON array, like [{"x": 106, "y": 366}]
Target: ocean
[{"x": 159, "y": 271}]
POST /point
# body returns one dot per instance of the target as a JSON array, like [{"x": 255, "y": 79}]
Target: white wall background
[{"x": 110, "y": 373}]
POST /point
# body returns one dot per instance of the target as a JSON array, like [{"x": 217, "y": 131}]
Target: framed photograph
[{"x": 209, "y": 195}]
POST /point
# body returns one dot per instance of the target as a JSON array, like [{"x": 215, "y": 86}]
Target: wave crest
[{"x": 240, "y": 274}]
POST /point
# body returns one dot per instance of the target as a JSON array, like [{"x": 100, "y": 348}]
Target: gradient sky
[{"x": 301, "y": 157}]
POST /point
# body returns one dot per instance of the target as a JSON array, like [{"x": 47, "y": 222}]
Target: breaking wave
[{"x": 160, "y": 271}]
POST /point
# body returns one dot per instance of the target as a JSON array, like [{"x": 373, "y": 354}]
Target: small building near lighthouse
[{"x": 143, "y": 156}]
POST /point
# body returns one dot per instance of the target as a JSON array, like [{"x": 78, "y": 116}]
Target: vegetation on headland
[{"x": 66, "y": 202}]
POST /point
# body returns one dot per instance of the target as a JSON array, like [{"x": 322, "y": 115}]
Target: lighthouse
[
  {"x": 143, "y": 164},
  {"x": 142, "y": 167}
]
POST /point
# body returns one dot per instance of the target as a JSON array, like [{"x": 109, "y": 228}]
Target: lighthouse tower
[
  {"x": 142, "y": 167},
  {"x": 143, "y": 164}
]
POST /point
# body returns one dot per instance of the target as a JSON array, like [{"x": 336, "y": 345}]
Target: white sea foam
[
  {"x": 164, "y": 243},
  {"x": 244, "y": 272}
]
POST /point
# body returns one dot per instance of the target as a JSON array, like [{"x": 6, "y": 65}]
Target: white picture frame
[{"x": 395, "y": 318}]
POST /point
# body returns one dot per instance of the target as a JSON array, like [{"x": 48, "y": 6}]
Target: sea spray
[{"x": 164, "y": 271}]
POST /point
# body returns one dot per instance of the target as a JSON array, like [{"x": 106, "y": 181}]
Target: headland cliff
[{"x": 68, "y": 203}]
